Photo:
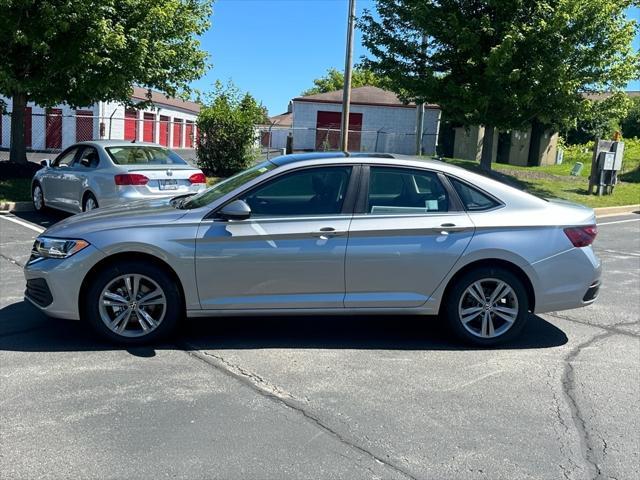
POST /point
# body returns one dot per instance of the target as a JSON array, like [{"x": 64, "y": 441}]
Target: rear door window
[{"x": 403, "y": 191}]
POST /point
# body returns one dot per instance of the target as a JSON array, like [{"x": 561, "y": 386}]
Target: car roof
[
  {"x": 303, "y": 157},
  {"x": 117, "y": 143}
]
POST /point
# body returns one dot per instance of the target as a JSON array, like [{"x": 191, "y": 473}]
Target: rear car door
[
  {"x": 406, "y": 234},
  {"x": 289, "y": 253}
]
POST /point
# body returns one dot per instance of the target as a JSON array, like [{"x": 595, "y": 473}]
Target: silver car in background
[
  {"x": 322, "y": 234},
  {"x": 103, "y": 173}
]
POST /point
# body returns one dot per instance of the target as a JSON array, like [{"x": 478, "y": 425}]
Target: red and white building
[{"x": 168, "y": 121}]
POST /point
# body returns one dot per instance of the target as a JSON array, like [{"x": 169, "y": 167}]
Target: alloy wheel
[
  {"x": 38, "y": 201},
  {"x": 90, "y": 204},
  {"x": 132, "y": 305},
  {"x": 488, "y": 308}
]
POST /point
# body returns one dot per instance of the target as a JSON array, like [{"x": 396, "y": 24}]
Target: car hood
[{"x": 134, "y": 214}]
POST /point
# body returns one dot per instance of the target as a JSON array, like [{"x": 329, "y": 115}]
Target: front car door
[
  {"x": 290, "y": 253},
  {"x": 406, "y": 234},
  {"x": 53, "y": 180}
]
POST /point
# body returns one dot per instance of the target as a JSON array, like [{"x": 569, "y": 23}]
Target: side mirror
[
  {"x": 45, "y": 162},
  {"x": 236, "y": 210}
]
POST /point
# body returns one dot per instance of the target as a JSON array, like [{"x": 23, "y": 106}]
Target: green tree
[
  {"x": 79, "y": 52},
  {"x": 599, "y": 118},
  {"x": 227, "y": 130},
  {"x": 631, "y": 123},
  {"x": 502, "y": 63},
  {"x": 334, "y": 80}
]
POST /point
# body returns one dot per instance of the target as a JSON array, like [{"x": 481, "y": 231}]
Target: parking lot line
[
  {"x": 620, "y": 221},
  {"x": 31, "y": 226}
]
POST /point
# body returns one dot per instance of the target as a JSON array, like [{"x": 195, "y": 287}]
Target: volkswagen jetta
[{"x": 322, "y": 234}]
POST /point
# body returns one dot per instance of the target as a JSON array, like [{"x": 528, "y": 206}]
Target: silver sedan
[
  {"x": 322, "y": 234},
  {"x": 102, "y": 173}
]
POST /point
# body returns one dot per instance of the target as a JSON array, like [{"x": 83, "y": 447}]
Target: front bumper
[
  {"x": 568, "y": 280},
  {"x": 53, "y": 285}
]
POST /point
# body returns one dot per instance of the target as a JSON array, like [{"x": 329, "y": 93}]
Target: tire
[
  {"x": 485, "y": 323},
  {"x": 108, "y": 298},
  {"x": 38, "y": 199},
  {"x": 89, "y": 202}
]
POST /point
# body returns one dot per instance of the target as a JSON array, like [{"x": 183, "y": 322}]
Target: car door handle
[
  {"x": 326, "y": 232},
  {"x": 446, "y": 228}
]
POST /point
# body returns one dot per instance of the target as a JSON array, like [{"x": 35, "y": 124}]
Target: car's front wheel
[
  {"x": 487, "y": 306},
  {"x": 38, "y": 197},
  {"x": 133, "y": 303}
]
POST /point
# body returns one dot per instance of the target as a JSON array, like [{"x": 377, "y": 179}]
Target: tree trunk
[
  {"x": 18, "y": 151},
  {"x": 487, "y": 148}
]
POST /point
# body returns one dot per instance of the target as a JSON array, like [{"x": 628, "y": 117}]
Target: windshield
[
  {"x": 144, "y": 155},
  {"x": 218, "y": 190}
]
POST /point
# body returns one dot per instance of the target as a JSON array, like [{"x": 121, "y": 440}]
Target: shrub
[{"x": 227, "y": 138}]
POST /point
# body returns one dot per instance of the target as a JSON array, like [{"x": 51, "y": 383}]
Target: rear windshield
[{"x": 144, "y": 155}]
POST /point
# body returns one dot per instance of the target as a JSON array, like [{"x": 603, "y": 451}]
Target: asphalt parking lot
[{"x": 360, "y": 397}]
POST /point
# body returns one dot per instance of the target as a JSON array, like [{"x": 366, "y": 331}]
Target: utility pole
[
  {"x": 420, "y": 112},
  {"x": 346, "y": 92}
]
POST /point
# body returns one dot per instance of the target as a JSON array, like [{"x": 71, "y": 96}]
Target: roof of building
[
  {"x": 283, "y": 120},
  {"x": 157, "y": 98},
  {"x": 366, "y": 95},
  {"x": 603, "y": 95}
]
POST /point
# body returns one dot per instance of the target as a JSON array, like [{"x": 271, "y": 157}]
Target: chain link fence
[
  {"x": 328, "y": 139},
  {"x": 47, "y": 134}
]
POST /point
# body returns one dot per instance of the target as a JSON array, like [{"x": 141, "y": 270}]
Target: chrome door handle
[
  {"x": 446, "y": 228},
  {"x": 326, "y": 232}
]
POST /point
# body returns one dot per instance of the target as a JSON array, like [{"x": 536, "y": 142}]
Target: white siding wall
[
  {"x": 111, "y": 115},
  {"x": 384, "y": 129}
]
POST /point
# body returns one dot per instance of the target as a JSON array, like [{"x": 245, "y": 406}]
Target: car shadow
[
  {"x": 45, "y": 219},
  {"x": 24, "y": 328}
]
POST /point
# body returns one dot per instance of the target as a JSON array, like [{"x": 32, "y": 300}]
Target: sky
[{"x": 274, "y": 49}]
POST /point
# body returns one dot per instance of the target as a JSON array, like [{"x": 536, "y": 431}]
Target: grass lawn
[
  {"x": 15, "y": 190},
  {"x": 555, "y": 181}
]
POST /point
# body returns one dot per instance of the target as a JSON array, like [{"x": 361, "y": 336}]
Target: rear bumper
[
  {"x": 131, "y": 193},
  {"x": 568, "y": 280}
]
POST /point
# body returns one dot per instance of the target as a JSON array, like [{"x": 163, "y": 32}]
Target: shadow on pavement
[
  {"x": 44, "y": 219},
  {"x": 24, "y": 328}
]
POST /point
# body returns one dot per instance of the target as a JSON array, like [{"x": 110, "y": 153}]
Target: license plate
[{"x": 168, "y": 184}]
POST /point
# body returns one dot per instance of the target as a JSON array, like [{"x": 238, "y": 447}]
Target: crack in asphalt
[
  {"x": 12, "y": 260},
  {"x": 257, "y": 384},
  {"x": 614, "y": 329},
  {"x": 570, "y": 392}
]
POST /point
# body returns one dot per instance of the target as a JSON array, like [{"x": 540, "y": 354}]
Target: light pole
[{"x": 346, "y": 92}]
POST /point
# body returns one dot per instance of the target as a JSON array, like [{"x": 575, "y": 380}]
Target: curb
[
  {"x": 610, "y": 211},
  {"x": 6, "y": 207}
]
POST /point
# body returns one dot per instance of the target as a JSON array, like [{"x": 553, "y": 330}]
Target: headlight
[{"x": 56, "y": 247}]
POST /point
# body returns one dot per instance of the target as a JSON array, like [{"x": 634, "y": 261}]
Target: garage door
[
  {"x": 149, "y": 127},
  {"x": 328, "y": 131},
  {"x": 130, "y": 124},
  {"x": 84, "y": 125},
  {"x": 53, "y": 128},
  {"x": 177, "y": 132},
  {"x": 164, "y": 131}
]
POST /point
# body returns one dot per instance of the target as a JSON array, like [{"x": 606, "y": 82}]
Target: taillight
[
  {"x": 198, "y": 178},
  {"x": 131, "y": 179},
  {"x": 582, "y": 236}
]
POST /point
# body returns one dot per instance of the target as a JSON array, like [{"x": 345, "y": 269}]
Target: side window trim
[
  {"x": 455, "y": 205},
  {"x": 347, "y": 204}
]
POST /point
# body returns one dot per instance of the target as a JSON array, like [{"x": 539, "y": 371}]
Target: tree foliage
[
  {"x": 334, "y": 80},
  {"x": 631, "y": 122},
  {"x": 502, "y": 63},
  {"x": 80, "y": 52},
  {"x": 599, "y": 118},
  {"x": 227, "y": 134}
]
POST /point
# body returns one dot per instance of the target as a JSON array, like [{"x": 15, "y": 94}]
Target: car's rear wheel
[
  {"x": 38, "y": 197},
  {"x": 89, "y": 202},
  {"x": 133, "y": 303},
  {"x": 487, "y": 306}
]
